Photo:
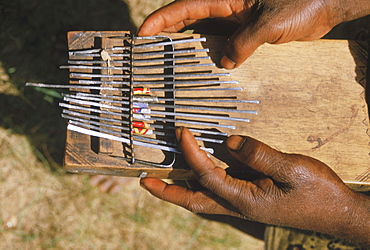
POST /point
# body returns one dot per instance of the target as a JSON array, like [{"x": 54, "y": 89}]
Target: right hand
[
  {"x": 264, "y": 21},
  {"x": 293, "y": 190}
]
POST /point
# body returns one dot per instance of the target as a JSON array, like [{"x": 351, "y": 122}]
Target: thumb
[{"x": 260, "y": 156}]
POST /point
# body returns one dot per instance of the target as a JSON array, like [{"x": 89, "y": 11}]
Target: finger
[
  {"x": 180, "y": 11},
  {"x": 260, "y": 156},
  {"x": 197, "y": 202},
  {"x": 194, "y": 185},
  {"x": 179, "y": 26},
  {"x": 241, "y": 45},
  {"x": 209, "y": 176}
]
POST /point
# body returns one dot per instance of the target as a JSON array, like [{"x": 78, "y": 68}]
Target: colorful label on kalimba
[
  {"x": 141, "y": 91},
  {"x": 140, "y": 124},
  {"x": 142, "y": 131},
  {"x": 142, "y": 105},
  {"x": 141, "y": 111},
  {"x": 141, "y": 117}
]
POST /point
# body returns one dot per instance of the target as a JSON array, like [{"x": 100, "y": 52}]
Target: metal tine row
[
  {"x": 89, "y": 122},
  {"x": 139, "y": 129},
  {"x": 136, "y": 55},
  {"x": 100, "y": 101},
  {"x": 99, "y": 98},
  {"x": 141, "y": 98},
  {"x": 144, "y": 98},
  {"x": 138, "y": 118},
  {"x": 146, "y": 117},
  {"x": 126, "y": 89},
  {"x": 136, "y": 76},
  {"x": 146, "y": 45},
  {"x": 139, "y": 124},
  {"x": 91, "y": 132},
  {"x": 176, "y": 59},
  {"x": 177, "y": 82},
  {"x": 136, "y": 67},
  {"x": 147, "y": 111}
]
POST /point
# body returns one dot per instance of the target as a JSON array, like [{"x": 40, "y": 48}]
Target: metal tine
[
  {"x": 124, "y": 140},
  {"x": 98, "y": 98},
  {"x": 92, "y": 67},
  {"x": 138, "y": 67},
  {"x": 179, "y": 75},
  {"x": 156, "y": 112},
  {"x": 102, "y": 99},
  {"x": 174, "y": 66},
  {"x": 205, "y": 108},
  {"x": 159, "y": 82},
  {"x": 201, "y": 88},
  {"x": 161, "y": 43},
  {"x": 176, "y": 52},
  {"x": 147, "y": 118},
  {"x": 74, "y": 86},
  {"x": 98, "y": 55},
  {"x": 84, "y": 51},
  {"x": 193, "y": 122},
  {"x": 209, "y": 100},
  {"x": 151, "y": 125},
  {"x": 70, "y": 86},
  {"x": 112, "y": 126},
  {"x": 156, "y": 99},
  {"x": 139, "y": 54},
  {"x": 195, "y": 58},
  {"x": 99, "y": 75},
  {"x": 203, "y": 116},
  {"x": 118, "y": 48}
]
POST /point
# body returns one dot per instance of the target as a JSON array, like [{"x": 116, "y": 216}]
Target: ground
[{"x": 42, "y": 206}]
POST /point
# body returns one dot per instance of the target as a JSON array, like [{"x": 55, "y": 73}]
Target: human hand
[
  {"x": 264, "y": 21},
  {"x": 293, "y": 190}
]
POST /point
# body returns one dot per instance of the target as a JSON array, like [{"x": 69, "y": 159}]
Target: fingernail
[
  {"x": 178, "y": 133},
  {"x": 236, "y": 142},
  {"x": 227, "y": 63}
]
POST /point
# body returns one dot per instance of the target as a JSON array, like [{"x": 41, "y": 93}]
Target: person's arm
[
  {"x": 263, "y": 21},
  {"x": 294, "y": 190}
]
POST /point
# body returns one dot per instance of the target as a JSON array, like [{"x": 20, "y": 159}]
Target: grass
[{"x": 42, "y": 206}]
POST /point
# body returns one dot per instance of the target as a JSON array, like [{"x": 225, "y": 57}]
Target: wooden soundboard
[{"x": 312, "y": 102}]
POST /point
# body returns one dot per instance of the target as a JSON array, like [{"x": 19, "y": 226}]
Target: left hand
[{"x": 257, "y": 22}]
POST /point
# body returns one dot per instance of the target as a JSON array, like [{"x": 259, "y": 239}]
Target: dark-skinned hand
[
  {"x": 295, "y": 190},
  {"x": 258, "y": 21}
]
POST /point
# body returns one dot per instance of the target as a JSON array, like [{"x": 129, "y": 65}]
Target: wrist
[
  {"x": 353, "y": 220},
  {"x": 344, "y": 10}
]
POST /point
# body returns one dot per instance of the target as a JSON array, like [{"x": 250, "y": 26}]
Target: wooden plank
[{"x": 311, "y": 102}]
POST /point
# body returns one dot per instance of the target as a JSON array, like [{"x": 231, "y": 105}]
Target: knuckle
[
  {"x": 255, "y": 153},
  {"x": 194, "y": 205},
  {"x": 210, "y": 178}
]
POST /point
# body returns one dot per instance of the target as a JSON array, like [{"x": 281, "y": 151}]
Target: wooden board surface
[{"x": 311, "y": 102}]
